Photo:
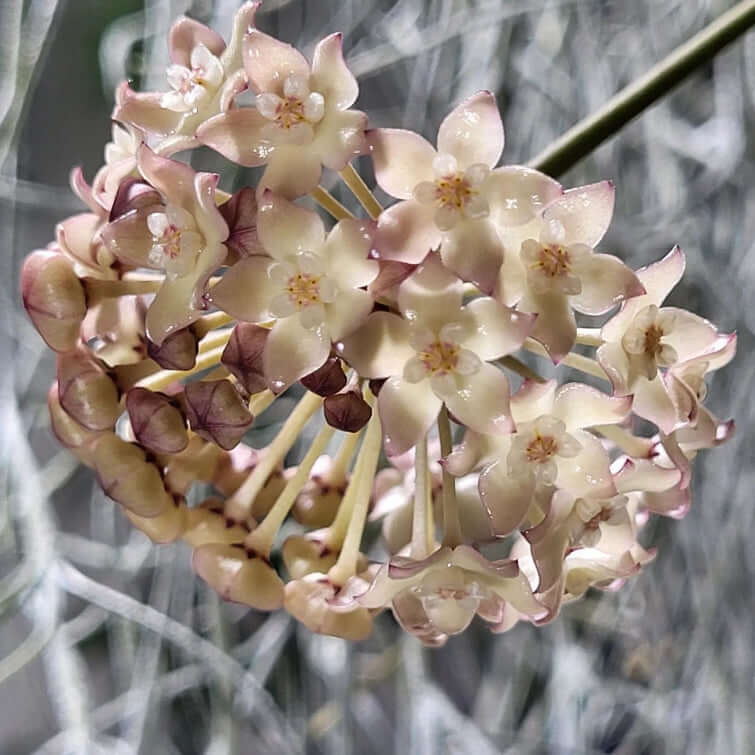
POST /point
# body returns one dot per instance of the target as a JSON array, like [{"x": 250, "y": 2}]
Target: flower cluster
[{"x": 180, "y": 312}]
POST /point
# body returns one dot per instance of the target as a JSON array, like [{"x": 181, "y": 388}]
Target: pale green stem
[
  {"x": 348, "y": 558},
  {"x": 516, "y": 365},
  {"x": 262, "y": 537},
  {"x": 339, "y": 469},
  {"x": 261, "y": 401},
  {"x": 360, "y": 190},
  {"x": 451, "y": 525},
  {"x": 206, "y": 323},
  {"x": 577, "y": 361},
  {"x": 329, "y": 203},
  {"x": 583, "y": 138},
  {"x": 240, "y": 503},
  {"x": 164, "y": 378},
  {"x": 421, "y": 506},
  {"x": 336, "y": 532}
]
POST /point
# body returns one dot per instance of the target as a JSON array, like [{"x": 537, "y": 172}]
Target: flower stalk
[{"x": 452, "y": 535}]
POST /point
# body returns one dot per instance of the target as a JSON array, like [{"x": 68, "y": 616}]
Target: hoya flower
[
  {"x": 645, "y": 336},
  {"x": 203, "y": 78},
  {"x": 310, "y": 284},
  {"x": 549, "y": 448},
  {"x": 302, "y": 120},
  {"x": 182, "y": 237},
  {"x": 437, "y": 351},
  {"x": 440, "y": 595},
  {"x": 550, "y": 267},
  {"x": 453, "y": 197}
]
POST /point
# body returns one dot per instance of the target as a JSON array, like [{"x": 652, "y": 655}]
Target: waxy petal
[
  {"x": 481, "y": 401},
  {"x": 473, "y": 132},
  {"x": 330, "y": 75},
  {"x": 507, "y": 499},
  {"x": 340, "y": 137},
  {"x": 606, "y": 280},
  {"x": 585, "y": 212},
  {"x": 346, "y": 253},
  {"x": 494, "y": 330},
  {"x": 660, "y": 277},
  {"x": 239, "y": 135},
  {"x": 347, "y": 312},
  {"x": 401, "y": 159},
  {"x": 586, "y": 475},
  {"x": 532, "y": 400},
  {"x": 643, "y": 475},
  {"x": 171, "y": 178},
  {"x": 516, "y": 194},
  {"x": 578, "y": 405},
  {"x": 652, "y": 402},
  {"x": 473, "y": 250},
  {"x": 690, "y": 335},
  {"x": 407, "y": 410},
  {"x": 129, "y": 239},
  {"x": 406, "y": 232},
  {"x": 245, "y": 291},
  {"x": 431, "y": 295},
  {"x": 555, "y": 326},
  {"x": 292, "y": 171},
  {"x": 269, "y": 62},
  {"x": 186, "y": 34},
  {"x": 284, "y": 228},
  {"x": 75, "y": 236},
  {"x": 143, "y": 110},
  {"x": 615, "y": 363},
  {"x": 380, "y": 347},
  {"x": 293, "y": 351}
]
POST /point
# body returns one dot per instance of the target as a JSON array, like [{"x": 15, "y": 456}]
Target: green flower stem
[
  {"x": 582, "y": 139},
  {"x": 452, "y": 535}
]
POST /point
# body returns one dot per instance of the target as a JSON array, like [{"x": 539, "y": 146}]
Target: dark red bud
[
  {"x": 216, "y": 412},
  {"x": 243, "y": 356},
  {"x": 347, "y": 411},
  {"x": 376, "y": 384},
  {"x": 327, "y": 380},
  {"x": 86, "y": 392},
  {"x": 177, "y": 352},
  {"x": 157, "y": 424},
  {"x": 240, "y": 213}
]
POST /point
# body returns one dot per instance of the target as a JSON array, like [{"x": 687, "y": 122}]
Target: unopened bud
[
  {"x": 166, "y": 526},
  {"x": 177, "y": 352},
  {"x": 243, "y": 356},
  {"x": 157, "y": 424},
  {"x": 318, "y": 502},
  {"x": 216, "y": 412},
  {"x": 86, "y": 392},
  {"x": 240, "y": 213},
  {"x": 128, "y": 478},
  {"x": 327, "y": 380},
  {"x": 54, "y": 298},
  {"x": 239, "y": 575},
  {"x": 198, "y": 461},
  {"x": 69, "y": 432},
  {"x": 207, "y": 523},
  {"x": 347, "y": 411}
]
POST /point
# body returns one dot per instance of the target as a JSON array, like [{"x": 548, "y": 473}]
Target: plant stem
[
  {"x": 329, "y": 203},
  {"x": 206, "y": 323},
  {"x": 164, "y": 378},
  {"x": 521, "y": 369},
  {"x": 585, "y": 136},
  {"x": 419, "y": 549},
  {"x": 261, "y": 401},
  {"x": 339, "y": 469},
  {"x": 360, "y": 190},
  {"x": 451, "y": 525}
]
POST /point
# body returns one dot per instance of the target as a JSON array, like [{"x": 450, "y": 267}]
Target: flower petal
[
  {"x": 406, "y": 232},
  {"x": 660, "y": 277},
  {"x": 494, "y": 330},
  {"x": 652, "y": 402},
  {"x": 186, "y": 34},
  {"x": 432, "y": 294},
  {"x": 171, "y": 178},
  {"x": 473, "y": 132},
  {"x": 606, "y": 280},
  {"x": 613, "y": 359},
  {"x": 143, "y": 110},
  {"x": 380, "y": 347},
  {"x": 75, "y": 235},
  {"x": 239, "y": 135},
  {"x": 292, "y": 171},
  {"x": 284, "y": 228},
  {"x": 473, "y": 250},
  {"x": 129, "y": 239},
  {"x": 401, "y": 159},
  {"x": 555, "y": 326},
  {"x": 507, "y": 499},
  {"x": 407, "y": 410},
  {"x": 245, "y": 291},
  {"x": 690, "y": 335},
  {"x": 293, "y": 351},
  {"x": 346, "y": 252},
  {"x": 578, "y": 405},
  {"x": 347, "y": 312},
  {"x": 330, "y": 75},
  {"x": 644, "y": 475},
  {"x": 340, "y": 137},
  {"x": 587, "y": 474},
  {"x": 269, "y": 62},
  {"x": 481, "y": 401},
  {"x": 585, "y": 212},
  {"x": 516, "y": 194},
  {"x": 532, "y": 400}
]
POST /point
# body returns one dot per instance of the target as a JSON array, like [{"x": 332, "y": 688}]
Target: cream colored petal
[
  {"x": 380, "y": 347},
  {"x": 402, "y": 159},
  {"x": 246, "y": 290},
  {"x": 347, "y": 312},
  {"x": 407, "y": 410},
  {"x": 492, "y": 330},
  {"x": 293, "y": 351},
  {"x": 269, "y": 62},
  {"x": 284, "y": 228},
  {"x": 346, "y": 253},
  {"x": 584, "y": 212},
  {"x": 473, "y": 250},
  {"x": 578, "y": 405},
  {"x": 431, "y": 295},
  {"x": 241, "y": 135},
  {"x": 291, "y": 172},
  {"x": 516, "y": 194},
  {"x": 587, "y": 474},
  {"x": 331, "y": 76}
]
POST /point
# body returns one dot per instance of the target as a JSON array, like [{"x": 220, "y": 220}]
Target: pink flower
[
  {"x": 550, "y": 267},
  {"x": 644, "y": 336},
  {"x": 183, "y": 237},
  {"x": 204, "y": 77},
  {"x": 310, "y": 284},
  {"x": 302, "y": 119},
  {"x": 453, "y": 197},
  {"x": 436, "y": 352}
]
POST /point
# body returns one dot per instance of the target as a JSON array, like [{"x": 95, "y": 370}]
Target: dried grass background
[{"x": 111, "y": 645}]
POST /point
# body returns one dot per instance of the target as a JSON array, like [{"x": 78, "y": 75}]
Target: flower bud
[
  {"x": 240, "y": 213},
  {"x": 157, "y": 424},
  {"x": 207, "y": 523},
  {"x": 128, "y": 478},
  {"x": 239, "y": 575},
  {"x": 216, "y": 412},
  {"x": 317, "y": 503},
  {"x": 177, "y": 352},
  {"x": 234, "y": 467},
  {"x": 69, "y": 432},
  {"x": 243, "y": 356},
  {"x": 327, "y": 380},
  {"x": 347, "y": 411},
  {"x": 86, "y": 392},
  {"x": 54, "y": 298},
  {"x": 198, "y": 461},
  {"x": 166, "y": 526}
]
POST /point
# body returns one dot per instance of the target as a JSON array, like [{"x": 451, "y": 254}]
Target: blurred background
[{"x": 111, "y": 645}]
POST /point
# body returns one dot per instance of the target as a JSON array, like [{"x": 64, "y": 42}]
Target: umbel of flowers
[{"x": 179, "y": 313}]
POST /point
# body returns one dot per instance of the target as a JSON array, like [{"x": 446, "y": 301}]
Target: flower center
[
  {"x": 194, "y": 84},
  {"x": 453, "y": 191},
  {"x": 644, "y": 340},
  {"x": 304, "y": 289},
  {"x": 653, "y": 336},
  {"x": 298, "y": 109},
  {"x": 553, "y": 266},
  {"x": 175, "y": 240},
  {"x": 553, "y": 261},
  {"x": 541, "y": 448},
  {"x": 440, "y": 357}
]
